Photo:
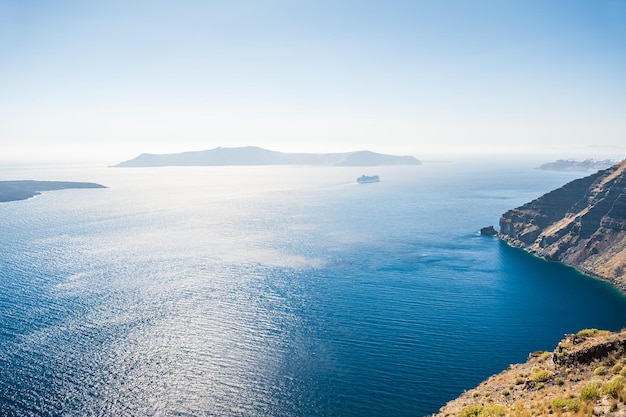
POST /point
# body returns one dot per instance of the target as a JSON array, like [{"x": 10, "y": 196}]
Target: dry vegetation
[{"x": 584, "y": 376}]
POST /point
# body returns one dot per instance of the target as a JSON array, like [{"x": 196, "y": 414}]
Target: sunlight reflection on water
[{"x": 283, "y": 291}]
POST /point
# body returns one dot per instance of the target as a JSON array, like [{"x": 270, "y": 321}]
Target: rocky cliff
[
  {"x": 583, "y": 376},
  {"x": 582, "y": 224}
]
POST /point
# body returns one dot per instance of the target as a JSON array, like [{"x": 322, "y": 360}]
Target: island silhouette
[{"x": 252, "y": 155}]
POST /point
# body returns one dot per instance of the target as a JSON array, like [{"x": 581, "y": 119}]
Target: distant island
[
  {"x": 582, "y": 224},
  {"x": 251, "y": 155},
  {"x": 24, "y": 189},
  {"x": 578, "y": 165}
]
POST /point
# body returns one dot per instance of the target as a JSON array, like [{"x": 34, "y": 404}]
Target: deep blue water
[{"x": 274, "y": 291}]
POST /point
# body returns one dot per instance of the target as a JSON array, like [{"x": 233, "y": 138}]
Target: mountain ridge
[{"x": 252, "y": 155}]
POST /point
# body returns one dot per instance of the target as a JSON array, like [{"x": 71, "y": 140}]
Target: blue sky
[{"x": 108, "y": 79}]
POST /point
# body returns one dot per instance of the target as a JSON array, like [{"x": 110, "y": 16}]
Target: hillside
[
  {"x": 583, "y": 376},
  {"x": 251, "y": 155},
  {"x": 582, "y": 224}
]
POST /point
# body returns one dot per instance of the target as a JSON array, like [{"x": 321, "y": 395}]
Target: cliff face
[
  {"x": 582, "y": 224},
  {"x": 584, "y": 376}
]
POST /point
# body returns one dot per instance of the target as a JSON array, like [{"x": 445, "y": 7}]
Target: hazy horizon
[{"x": 104, "y": 81}]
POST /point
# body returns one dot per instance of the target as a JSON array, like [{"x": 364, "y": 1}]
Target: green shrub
[
  {"x": 473, "y": 410},
  {"x": 541, "y": 376},
  {"x": 617, "y": 368},
  {"x": 567, "y": 404},
  {"x": 596, "y": 381},
  {"x": 592, "y": 333},
  {"x": 599, "y": 371},
  {"x": 590, "y": 392},
  {"x": 493, "y": 410},
  {"x": 614, "y": 387},
  {"x": 477, "y": 410},
  {"x": 573, "y": 404},
  {"x": 558, "y": 403},
  {"x": 588, "y": 332}
]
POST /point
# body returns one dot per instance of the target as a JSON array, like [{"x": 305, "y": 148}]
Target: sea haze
[{"x": 274, "y": 291}]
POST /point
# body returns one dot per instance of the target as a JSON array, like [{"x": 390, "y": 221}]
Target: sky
[{"x": 106, "y": 80}]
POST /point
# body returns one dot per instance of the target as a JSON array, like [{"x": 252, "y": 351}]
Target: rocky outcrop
[
  {"x": 575, "y": 349},
  {"x": 582, "y": 224},
  {"x": 584, "y": 375},
  {"x": 488, "y": 231}
]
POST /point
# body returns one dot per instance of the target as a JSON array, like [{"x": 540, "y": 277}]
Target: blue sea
[{"x": 275, "y": 291}]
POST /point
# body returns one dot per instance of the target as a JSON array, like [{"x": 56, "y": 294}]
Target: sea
[{"x": 285, "y": 291}]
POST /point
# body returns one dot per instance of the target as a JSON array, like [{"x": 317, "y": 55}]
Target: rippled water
[{"x": 274, "y": 291}]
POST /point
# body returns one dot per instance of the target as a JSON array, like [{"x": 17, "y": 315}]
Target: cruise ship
[{"x": 363, "y": 179}]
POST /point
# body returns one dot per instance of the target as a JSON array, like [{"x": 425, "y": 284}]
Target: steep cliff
[
  {"x": 584, "y": 376},
  {"x": 582, "y": 224}
]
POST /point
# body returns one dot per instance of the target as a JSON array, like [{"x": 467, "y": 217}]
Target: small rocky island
[
  {"x": 24, "y": 189},
  {"x": 582, "y": 224},
  {"x": 488, "y": 231}
]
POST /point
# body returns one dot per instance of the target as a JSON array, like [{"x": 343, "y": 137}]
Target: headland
[
  {"x": 582, "y": 224},
  {"x": 25, "y": 189}
]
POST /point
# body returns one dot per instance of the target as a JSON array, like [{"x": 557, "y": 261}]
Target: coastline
[
  {"x": 570, "y": 367},
  {"x": 19, "y": 190},
  {"x": 584, "y": 374},
  {"x": 515, "y": 243}
]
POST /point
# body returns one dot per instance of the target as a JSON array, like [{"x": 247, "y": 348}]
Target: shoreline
[
  {"x": 19, "y": 190},
  {"x": 515, "y": 243},
  {"x": 509, "y": 399}
]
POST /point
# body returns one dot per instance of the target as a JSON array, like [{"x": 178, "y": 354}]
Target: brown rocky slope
[
  {"x": 582, "y": 224},
  {"x": 583, "y": 376}
]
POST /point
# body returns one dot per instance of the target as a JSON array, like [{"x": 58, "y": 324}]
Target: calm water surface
[{"x": 274, "y": 291}]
